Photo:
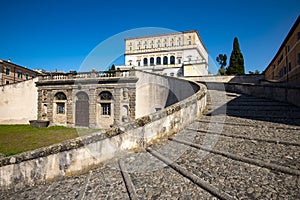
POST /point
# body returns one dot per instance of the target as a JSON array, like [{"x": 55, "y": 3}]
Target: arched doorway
[{"x": 82, "y": 109}]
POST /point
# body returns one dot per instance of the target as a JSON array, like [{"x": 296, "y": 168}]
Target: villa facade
[{"x": 173, "y": 54}]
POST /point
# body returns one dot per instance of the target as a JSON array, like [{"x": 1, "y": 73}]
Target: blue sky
[{"x": 60, "y": 34}]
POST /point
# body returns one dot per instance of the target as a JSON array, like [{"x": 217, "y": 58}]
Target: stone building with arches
[
  {"x": 172, "y": 54},
  {"x": 87, "y": 99}
]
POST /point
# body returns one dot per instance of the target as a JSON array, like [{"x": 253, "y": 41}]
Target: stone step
[
  {"x": 238, "y": 178},
  {"x": 151, "y": 178},
  {"x": 284, "y": 153}
]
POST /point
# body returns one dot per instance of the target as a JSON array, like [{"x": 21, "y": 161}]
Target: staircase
[{"x": 242, "y": 148}]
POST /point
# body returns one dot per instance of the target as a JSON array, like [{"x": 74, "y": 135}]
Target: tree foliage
[
  {"x": 222, "y": 60},
  {"x": 236, "y": 63},
  {"x": 112, "y": 68},
  {"x": 255, "y": 72}
]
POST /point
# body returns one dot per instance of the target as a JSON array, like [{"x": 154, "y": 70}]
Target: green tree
[
  {"x": 112, "y": 68},
  {"x": 222, "y": 60},
  {"x": 236, "y": 63}
]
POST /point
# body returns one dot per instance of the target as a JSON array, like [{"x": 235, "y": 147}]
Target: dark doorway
[{"x": 82, "y": 110}]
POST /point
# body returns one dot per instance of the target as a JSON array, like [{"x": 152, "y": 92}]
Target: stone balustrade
[{"x": 87, "y": 75}]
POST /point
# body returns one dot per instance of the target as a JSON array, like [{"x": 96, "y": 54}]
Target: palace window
[
  {"x": 60, "y": 108},
  {"x": 7, "y": 72},
  {"x": 7, "y": 82},
  {"x": 151, "y": 61},
  {"x": 139, "y": 63},
  {"x": 165, "y": 61},
  {"x": 298, "y": 58},
  {"x": 145, "y": 61},
  {"x": 179, "y": 61},
  {"x": 172, "y": 60},
  {"x": 290, "y": 66},
  {"x": 27, "y": 76},
  {"x": 105, "y": 108},
  {"x": 158, "y": 61}
]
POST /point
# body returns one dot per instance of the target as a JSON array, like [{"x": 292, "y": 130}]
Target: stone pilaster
[
  {"x": 69, "y": 106},
  {"x": 92, "y": 108},
  {"x": 117, "y": 105},
  {"x": 39, "y": 105},
  {"x": 132, "y": 101},
  {"x": 50, "y": 106}
]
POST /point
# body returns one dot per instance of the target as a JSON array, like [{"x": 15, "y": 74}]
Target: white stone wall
[{"x": 18, "y": 102}]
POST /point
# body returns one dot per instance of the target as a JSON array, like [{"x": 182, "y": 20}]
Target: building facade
[
  {"x": 94, "y": 99},
  {"x": 174, "y": 54},
  {"x": 12, "y": 73},
  {"x": 285, "y": 66}
]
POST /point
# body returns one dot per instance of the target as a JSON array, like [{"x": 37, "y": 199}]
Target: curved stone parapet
[{"x": 185, "y": 101}]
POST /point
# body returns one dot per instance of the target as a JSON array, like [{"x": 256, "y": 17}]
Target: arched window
[
  {"x": 145, "y": 61},
  {"x": 165, "y": 60},
  {"x": 60, "y": 96},
  {"x": 158, "y": 61},
  {"x": 105, "y": 98},
  {"x": 105, "y": 95},
  {"x": 172, "y": 60},
  {"x": 60, "y": 99},
  {"x": 151, "y": 61}
]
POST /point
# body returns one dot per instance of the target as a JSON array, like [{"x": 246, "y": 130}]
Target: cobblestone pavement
[{"x": 242, "y": 148}]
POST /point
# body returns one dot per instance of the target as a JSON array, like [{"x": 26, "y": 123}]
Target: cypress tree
[{"x": 236, "y": 63}]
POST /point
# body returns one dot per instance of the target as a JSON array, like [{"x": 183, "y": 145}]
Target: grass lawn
[{"x": 15, "y": 139}]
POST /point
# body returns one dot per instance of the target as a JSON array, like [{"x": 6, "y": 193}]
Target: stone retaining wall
[
  {"x": 284, "y": 93},
  {"x": 248, "y": 78},
  {"x": 79, "y": 155},
  {"x": 288, "y": 94}
]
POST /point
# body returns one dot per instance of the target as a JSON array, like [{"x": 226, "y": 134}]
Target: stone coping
[
  {"x": 273, "y": 85},
  {"x": 81, "y": 141}
]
